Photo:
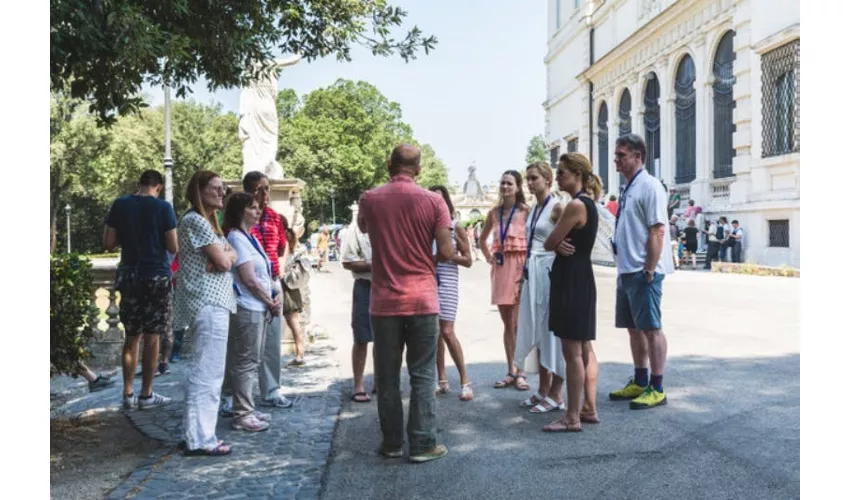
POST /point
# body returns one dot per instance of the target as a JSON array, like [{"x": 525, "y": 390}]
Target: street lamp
[
  {"x": 169, "y": 193},
  {"x": 68, "y": 225},
  {"x": 333, "y": 204}
]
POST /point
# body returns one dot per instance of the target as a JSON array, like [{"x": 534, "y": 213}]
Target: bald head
[{"x": 405, "y": 157}]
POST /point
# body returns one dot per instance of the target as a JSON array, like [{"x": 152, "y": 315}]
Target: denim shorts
[
  {"x": 638, "y": 302},
  {"x": 361, "y": 323}
]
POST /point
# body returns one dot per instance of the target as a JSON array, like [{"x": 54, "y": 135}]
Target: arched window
[
  {"x": 626, "y": 113},
  {"x": 724, "y": 106},
  {"x": 686, "y": 124},
  {"x": 652, "y": 124},
  {"x": 602, "y": 134}
]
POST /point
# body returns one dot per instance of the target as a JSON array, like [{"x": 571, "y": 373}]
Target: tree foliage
[
  {"x": 107, "y": 50},
  {"x": 536, "y": 150},
  {"x": 434, "y": 171}
]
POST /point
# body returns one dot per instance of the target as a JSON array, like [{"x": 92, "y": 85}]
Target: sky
[{"x": 477, "y": 97}]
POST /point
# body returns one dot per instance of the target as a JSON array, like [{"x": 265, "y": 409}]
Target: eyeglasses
[{"x": 217, "y": 189}]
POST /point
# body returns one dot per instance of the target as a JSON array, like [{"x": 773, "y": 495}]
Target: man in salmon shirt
[{"x": 402, "y": 221}]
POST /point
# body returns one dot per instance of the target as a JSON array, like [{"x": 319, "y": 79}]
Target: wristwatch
[{"x": 647, "y": 272}]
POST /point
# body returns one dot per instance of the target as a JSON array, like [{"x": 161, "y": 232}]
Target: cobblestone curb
[{"x": 287, "y": 461}]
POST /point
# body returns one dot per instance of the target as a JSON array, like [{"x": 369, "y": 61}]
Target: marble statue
[
  {"x": 472, "y": 188},
  {"x": 258, "y": 121}
]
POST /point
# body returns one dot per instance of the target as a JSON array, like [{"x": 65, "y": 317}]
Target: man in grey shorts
[
  {"x": 644, "y": 257},
  {"x": 357, "y": 258}
]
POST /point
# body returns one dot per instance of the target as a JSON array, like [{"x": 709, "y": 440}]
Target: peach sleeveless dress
[{"x": 506, "y": 280}]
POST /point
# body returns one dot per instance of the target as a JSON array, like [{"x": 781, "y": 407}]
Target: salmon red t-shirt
[{"x": 401, "y": 219}]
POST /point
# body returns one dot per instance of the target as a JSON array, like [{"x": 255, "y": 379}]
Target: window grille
[
  {"x": 554, "y": 154},
  {"x": 724, "y": 106},
  {"x": 779, "y": 232},
  {"x": 686, "y": 125},
  {"x": 572, "y": 145},
  {"x": 780, "y": 100},
  {"x": 602, "y": 137},
  {"x": 652, "y": 123},
  {"x": 626, "y": 113}
]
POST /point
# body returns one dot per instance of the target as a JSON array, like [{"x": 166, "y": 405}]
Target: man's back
[
  {"x": 401, "y": 220},
  {"x": 141, "y": 223}
]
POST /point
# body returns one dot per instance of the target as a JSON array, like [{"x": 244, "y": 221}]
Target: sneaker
[
  {"x": 649, "y": 399},
  {"x": 278, "y": 401},
  {"x": 388, "y": 452},
  {"x": 154, "y": 401},
  {"x": 249, "y": 423},
  {"x": 162, "y": 369},
  {"x": 100, "y": 383},
  {"x": 434, "y": 453},
  {"x": 630, "y": 391},
  {"x": 128, "y": 402},
  {"x": 265, "y": 417},
  {"x": 226, "y": 409}
]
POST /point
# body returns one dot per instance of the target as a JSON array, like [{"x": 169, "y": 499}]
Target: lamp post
[
  {"x": 333, "y": 204},
  {"x": 68, "y": 225},
  {"x": 168, "y": 163}
]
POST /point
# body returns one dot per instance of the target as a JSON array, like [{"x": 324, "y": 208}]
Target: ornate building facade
[{"x": 712, "y": 85}]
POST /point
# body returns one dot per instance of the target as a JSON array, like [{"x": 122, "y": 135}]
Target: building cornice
[{"x": 777, "y": 39}]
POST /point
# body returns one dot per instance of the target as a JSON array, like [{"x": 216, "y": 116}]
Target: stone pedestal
[{"x": 286, "y": 200}]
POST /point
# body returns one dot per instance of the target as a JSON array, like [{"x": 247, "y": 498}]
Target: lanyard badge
[
  {"x": 503, "y": 234},
  {"x": 535, "y": 216}
]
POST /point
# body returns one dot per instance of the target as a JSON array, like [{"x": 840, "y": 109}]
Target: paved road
[{"x": 730, "y": 430}]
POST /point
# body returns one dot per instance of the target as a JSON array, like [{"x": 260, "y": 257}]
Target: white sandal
[
  {"x": 466, "y": 393},
  {"x": 552, "y": 406},
  {"x": 534, "y": 400}
]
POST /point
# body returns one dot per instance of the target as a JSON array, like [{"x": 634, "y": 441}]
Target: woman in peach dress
[{"x": 507, "y": 258}]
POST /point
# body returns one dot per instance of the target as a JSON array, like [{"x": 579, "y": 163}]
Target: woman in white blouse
[{"x": 203, "y": 301}]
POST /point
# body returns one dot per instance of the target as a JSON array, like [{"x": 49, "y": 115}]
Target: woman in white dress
[{"x": 533, "y": 335}]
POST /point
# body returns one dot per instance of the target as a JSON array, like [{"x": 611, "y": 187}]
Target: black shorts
[
  {"x": 361, "y": 322},
  {"x": 146, "y": 306},
  {"x": 692, "y": 248}
]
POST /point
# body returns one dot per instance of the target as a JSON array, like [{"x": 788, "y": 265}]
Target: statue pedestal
[{"x": 286, "y": 200}]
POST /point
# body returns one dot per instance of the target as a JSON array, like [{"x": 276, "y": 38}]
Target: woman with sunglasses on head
[
  {"x": 203, "y": 301},
  {"x": 447, "y": 291},
  {"x": 572, "y": 301},
  {"x": 506, "y": 259},
  {"x": 534, "y": 332},
  {"x": 256, "y": 302}
]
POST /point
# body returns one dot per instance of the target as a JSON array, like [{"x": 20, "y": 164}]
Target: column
[
  {"x": 742, "y": 139},
  {"x": 667, "y": 104},
  {"x": 701, "y": 187}
]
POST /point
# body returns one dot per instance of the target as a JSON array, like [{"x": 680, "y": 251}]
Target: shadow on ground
[{"x": 730, "y": 430}]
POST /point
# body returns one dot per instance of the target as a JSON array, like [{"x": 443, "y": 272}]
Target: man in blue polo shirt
[
  {"x": 644, "y": 257},
  {"x": 145, "y": 228}
]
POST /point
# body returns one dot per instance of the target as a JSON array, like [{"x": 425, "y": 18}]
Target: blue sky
[{"x": 476, "y": 97}]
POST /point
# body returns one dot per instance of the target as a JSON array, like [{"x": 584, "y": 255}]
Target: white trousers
[{"x": 205, "y": 376}]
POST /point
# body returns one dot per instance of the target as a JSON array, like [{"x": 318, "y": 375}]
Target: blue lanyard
[
  {"x": 503, "y": 230},
  {"x": 535, "y": 216},
  {"x": 259, "y": 250},
  {"x": 622, "y": 197}
]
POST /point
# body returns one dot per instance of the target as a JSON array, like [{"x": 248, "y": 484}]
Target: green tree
[
  {"x": 536, "y": 150},
  {"x": 433, "y": 169},
  {"x": 340, "y": 137},
  {"x": 107, "y": 50}
]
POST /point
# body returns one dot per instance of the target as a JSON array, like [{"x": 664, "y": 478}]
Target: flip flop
[
  {"x": 361, "y": 397},
  {"x": 219, "y": 451},
  {"x": 560, "y": 426}
]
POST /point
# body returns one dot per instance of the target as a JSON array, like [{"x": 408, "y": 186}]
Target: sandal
[
  {"x": 553, "y": 405},
  {"x": 219, "y": 451},
  {"x": 509, "y": 380},
  {"x": 360, "y": 397},
  {"x": 561, "y": 425},
  {"x": 443, "y": 387},
  {"x": 589, "y": 418},
  {"x": 534, "y": 400},
  {"x": 466, "y": 393},
  {"x": 521, "y": 384}
]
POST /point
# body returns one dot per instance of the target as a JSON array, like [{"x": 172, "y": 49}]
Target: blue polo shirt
[{"x": 141, "y": 223}]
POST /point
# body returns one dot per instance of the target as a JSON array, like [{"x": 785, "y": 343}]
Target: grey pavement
[{"x": 730, "y": 430}]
